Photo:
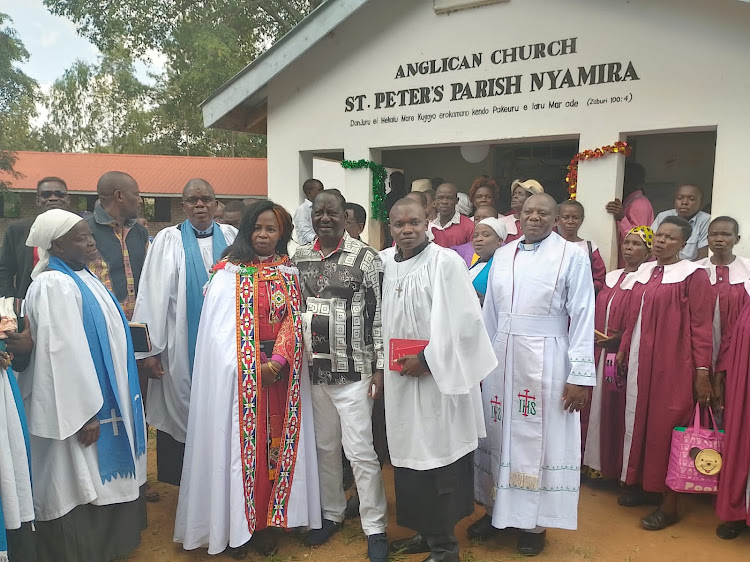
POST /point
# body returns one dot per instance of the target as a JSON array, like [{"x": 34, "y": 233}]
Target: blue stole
[
  {"x": 480, "y": 281},
  {"x": 197, "y": 277},
  {"x": 115, "y": 455},
  {"x": 22, "y": 416}
]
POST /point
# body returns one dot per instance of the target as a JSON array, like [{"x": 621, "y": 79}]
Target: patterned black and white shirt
[{"x": 342, "y": 327}]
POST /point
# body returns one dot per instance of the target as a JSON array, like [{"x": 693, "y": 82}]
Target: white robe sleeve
[
  {"x": 459, "y": 354},
  {"x": 60, "y": 386},
  {"x": 489, "y": 310},
  {"x": 579, "y": 302},
  {"x": 158, "y": 289}
]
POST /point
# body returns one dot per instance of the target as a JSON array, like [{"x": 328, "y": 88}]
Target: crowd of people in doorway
[{"x": 489, "y": 358}]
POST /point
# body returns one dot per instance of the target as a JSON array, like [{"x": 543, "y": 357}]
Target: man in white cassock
[
  {"x": 170, "y": 299},
  {"x": 539, "y": 313},
  {"x": 83, "y": 403},
  {"x": 433, "y": 405}
]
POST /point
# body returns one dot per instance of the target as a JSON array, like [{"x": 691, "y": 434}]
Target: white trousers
[{"x": 343, "y": 416}]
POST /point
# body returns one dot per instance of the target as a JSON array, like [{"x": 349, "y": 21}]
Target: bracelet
[{"x": 273, "y": 368}]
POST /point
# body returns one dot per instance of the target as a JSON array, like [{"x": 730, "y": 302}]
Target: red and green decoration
[
  {"x": 620, "y": 147},
  {"x": 379, "y": 174}
]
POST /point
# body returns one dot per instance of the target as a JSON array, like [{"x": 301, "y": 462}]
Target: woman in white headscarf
[
  {"x": 489, "y": 235},
  {"x": 83, "y": 404}
]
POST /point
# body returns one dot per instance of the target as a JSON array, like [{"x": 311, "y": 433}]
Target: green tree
[
  {"x": 205, "y": 43},
  {"x": 99, "y": 107},
  {"x": 17, "y": 97}
]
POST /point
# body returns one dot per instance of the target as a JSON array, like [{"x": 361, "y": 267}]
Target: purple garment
[{"x": 466, "y": 251}]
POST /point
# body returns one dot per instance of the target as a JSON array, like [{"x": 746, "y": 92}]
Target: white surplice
[
  {"x": 15, "y": 480},
  {"x": 435, "y": 419},
  {"x": 61, "y": 393},
  {"x": 161, "y": 304},
  {"x": 539, "y": 312},
  {"x": 211, "y": 507}
]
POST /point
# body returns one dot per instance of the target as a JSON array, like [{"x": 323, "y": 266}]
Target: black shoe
[
  {"x": 482, "y": 529},
  {"x": 413, "y": 545},
  {"x": 635, "y": 497},
  {"x": 352, "y": 507},
  {"x": 730, "y": 530},
  {"x": 316, "y": 537},
  {"x": 531, "y": 544},
  {"x": 377, "y": 548}
]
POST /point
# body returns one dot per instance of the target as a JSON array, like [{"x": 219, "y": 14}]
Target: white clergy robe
[
  {"x": 161, "y": 304},
  {"x": 211, "y": 507},
  {"x": 539, "y": 313},
  {"x": 15, "y": 480},
  {"x": 61, "y": 394},
  {"x": 436, "y": 419}
]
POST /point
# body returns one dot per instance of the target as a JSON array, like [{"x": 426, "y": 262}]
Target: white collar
[
  {"x": 739, "y": 270},
  {"x": 455, "y": 220},
  {"x": 673, "y": 273}
]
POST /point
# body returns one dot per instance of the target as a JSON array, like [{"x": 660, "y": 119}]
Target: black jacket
[{"x": 16, "y": 260}]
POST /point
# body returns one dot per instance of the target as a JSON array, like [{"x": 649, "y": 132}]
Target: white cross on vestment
[{"x": 113, "y": 419}]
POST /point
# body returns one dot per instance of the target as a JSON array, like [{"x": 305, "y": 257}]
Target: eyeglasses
[
  {"x": 206, "y": 199},
  {"x": 57, "y": 193}
]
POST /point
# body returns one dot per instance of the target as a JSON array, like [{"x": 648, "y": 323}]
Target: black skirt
[
  {"x": 169, "y": 456},
  {"x": 433, "y": 501},
  {"x": 92, "y": 533},
  {"x": 22, "y": 544}
]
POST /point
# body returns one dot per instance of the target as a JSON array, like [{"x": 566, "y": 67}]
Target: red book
[{"x": 402, "y": 348}]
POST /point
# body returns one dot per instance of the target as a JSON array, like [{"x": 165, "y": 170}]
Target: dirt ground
[{"x": 606, "y": 532}]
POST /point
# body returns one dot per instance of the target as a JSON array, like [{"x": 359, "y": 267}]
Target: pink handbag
[{"x": 695, "y": 457}]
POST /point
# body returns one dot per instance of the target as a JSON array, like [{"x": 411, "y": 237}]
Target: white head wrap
[
  {"x": 497, "y": 225},
  {"x": 47, "y": 227},
  {"x": 464, "y": 205}
]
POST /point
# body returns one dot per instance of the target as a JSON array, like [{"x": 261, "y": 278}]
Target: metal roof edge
[{"x": 255, "y": 76}]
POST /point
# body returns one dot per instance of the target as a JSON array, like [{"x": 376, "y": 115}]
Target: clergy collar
[
  {"x": 399, "y": 257},
  {"x": 203, "y": 233},
  {"x": 530, "y": 247}
]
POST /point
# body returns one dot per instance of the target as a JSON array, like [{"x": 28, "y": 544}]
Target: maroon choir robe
[
  {"x": 731, "y": 504},
  {"x": 729, "y": 298},
  {"x": 668, "y": 336},
  {"x": 605, "y": 428}
]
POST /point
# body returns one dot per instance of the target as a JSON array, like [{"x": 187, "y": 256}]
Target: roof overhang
[{"x": 241, "y": 103}]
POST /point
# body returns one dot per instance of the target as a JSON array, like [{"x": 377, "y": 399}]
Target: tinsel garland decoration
[
  {"x": 379, "y": 174},
  {"x": 620, "y": 147}
]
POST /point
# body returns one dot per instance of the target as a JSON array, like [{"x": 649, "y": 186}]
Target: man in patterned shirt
[
  {"x": 341, "y": 279},
  {"x": 121, "y": 240}
]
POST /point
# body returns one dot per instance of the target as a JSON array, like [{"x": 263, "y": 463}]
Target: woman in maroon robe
[
  {"x": 728, "y": 274},
  {"x": 666, "y": 349},
  {"x": 731, "y": 504},
  {"x": 605, "y": 428}
]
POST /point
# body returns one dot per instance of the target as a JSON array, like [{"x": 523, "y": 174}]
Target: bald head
[
  {"x": 538, "y": 217},
  {"x": 407, "y": 202},
  {"x": 119, "y": 196},
  {"x": 197, "y": 183},
  {"x": 114, "y": 181}
]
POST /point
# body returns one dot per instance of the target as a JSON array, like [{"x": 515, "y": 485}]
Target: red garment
[
  {"x": 731, "y": 503},
  {"x": 272, "y": 404},
  {"x": 517, "y": 234},
  {"x": 598, "y": 270},
  {"x": 454, "y": 234},
  {"x": 731, "y": 299},
  {"x": 611, "y": 309},
  {"x": 675, "y": 339},
  {"x": 638, "y": 212}
]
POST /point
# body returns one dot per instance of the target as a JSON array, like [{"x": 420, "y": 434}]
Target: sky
[{"x": 52, "y": 41}]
